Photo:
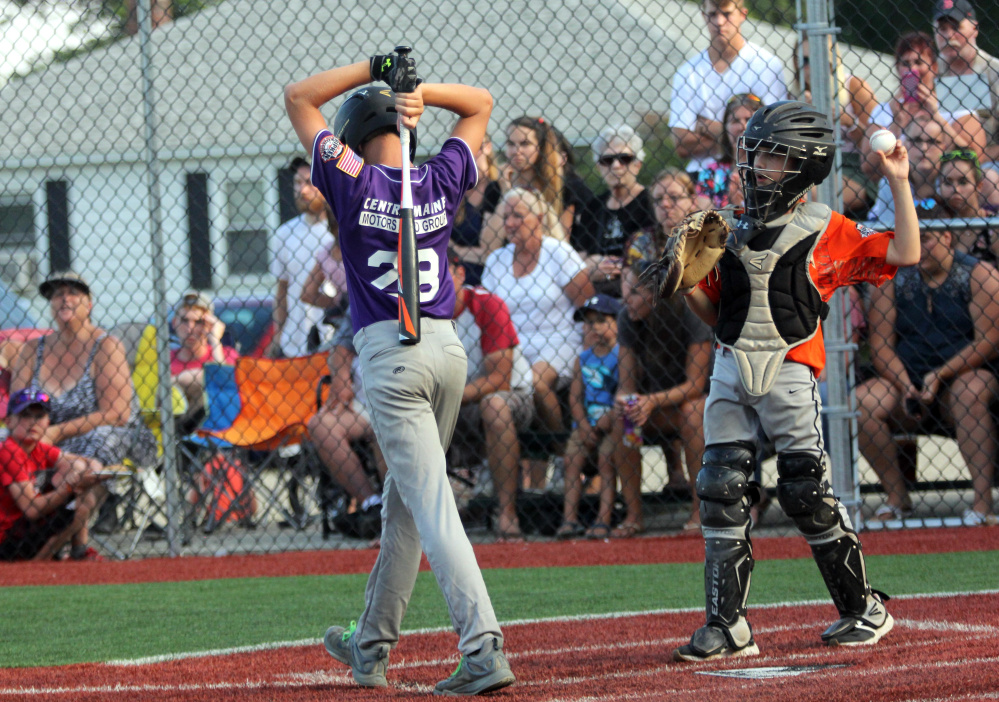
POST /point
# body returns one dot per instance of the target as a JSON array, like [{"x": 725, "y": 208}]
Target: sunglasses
[
  {"x": 961, "y": 155},
  {"x": 623, "y": 159}
]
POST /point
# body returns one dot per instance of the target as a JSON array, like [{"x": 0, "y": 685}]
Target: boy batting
[
  {"x": 765, "y": 299},
  {"x": 414, "y": 390}
]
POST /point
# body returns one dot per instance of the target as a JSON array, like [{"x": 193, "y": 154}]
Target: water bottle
[{"x": 632, "y": 432}]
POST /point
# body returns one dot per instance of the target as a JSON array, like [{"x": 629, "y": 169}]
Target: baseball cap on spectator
[
  {"x": 956, "y": 10},
  {"x": 197, "y": 300},
  {"x": 48, "y": 288},
  {"x": 23, "y": 399},
  {"x": 604, "y": 304}
]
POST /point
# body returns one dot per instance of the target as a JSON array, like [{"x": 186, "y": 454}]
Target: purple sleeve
[{"x": 335, "y": 170}]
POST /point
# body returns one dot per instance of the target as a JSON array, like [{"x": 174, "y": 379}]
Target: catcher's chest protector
[{"x": 769, "y": 302}]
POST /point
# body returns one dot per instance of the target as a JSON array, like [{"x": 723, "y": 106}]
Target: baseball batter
[
  {"x": 414, "y": 391},
  {"x": 765, "y": 300}
]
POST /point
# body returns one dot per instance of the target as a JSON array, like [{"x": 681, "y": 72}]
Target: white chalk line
[{"x": 324, "y": 677}]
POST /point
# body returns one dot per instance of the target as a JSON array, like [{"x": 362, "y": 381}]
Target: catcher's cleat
[
  {"x": 367, "y": 671},
  {"x": 484, "y": 671},
  {"x": 712, "y": 641},
  {"x": 864, "y": 630}
]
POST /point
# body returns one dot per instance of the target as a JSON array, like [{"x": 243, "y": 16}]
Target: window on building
[
  {"x": 18, "y": 269},
  {"x": 246, "y": 237}
]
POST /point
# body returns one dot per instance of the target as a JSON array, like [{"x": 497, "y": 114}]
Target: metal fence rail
[{"x": 152, "y": 155}]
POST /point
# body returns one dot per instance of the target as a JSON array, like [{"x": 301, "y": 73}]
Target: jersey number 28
[{"x": 389, "y": 281}]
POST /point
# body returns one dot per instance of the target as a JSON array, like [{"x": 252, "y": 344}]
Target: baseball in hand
[{"x": 883, "y": 140}]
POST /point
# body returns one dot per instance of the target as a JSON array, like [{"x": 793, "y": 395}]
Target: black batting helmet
[
  {"x": 799, "y": 133},
  {"x": 365, "y": 113}
]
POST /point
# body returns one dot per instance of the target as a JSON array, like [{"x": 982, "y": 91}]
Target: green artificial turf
[{"x": 54, "y": 625}]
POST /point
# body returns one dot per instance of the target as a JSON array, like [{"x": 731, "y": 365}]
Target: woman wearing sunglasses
[
  {"x": 625, "y": 208},
  {"x": 959, "y": 187}
]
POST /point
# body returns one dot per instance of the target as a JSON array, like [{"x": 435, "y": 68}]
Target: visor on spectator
[{"x": 23, "y": 399}]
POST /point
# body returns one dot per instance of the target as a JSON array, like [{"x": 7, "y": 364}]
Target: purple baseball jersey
[{"x": 365, "y": 199}]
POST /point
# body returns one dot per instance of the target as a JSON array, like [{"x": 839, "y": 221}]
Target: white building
[{"x": 74, "y": 183}]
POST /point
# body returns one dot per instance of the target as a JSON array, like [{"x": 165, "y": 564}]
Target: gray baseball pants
[{"x": 414, "y": 394}]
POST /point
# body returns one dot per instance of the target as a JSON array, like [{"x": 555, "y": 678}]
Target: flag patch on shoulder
[
  {"x": 350, "y": 163},
  {"x": 329, "y": 148}
]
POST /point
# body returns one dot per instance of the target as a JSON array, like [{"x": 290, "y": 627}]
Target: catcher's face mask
[{"x": 771, "y": 174}]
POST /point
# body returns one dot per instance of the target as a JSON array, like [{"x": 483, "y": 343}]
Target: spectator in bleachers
[
  {"x": 917, "y": 99},
  {"x": 714, "y": 184},
  {"x": 625, "y": 207},
  {"x": 856, "y": 104},
  {"x": 934, "y": 333},
  {"x": 46, "y": 495},
  {"x": 704, "y": 83},
  {"x": 478, "y": 226},
  {"x": 536, "y": 159},
  {"x": 292, "y": 249},
  {"x": 968, "y": 75},
  {"x": 326, "y": 285},
  {"x": 543, "y": 280},
  {"x": 497, "y": 401},
  {"x": 665, "y": 354},
  {"x": 83, "y": 369},
  {"x": 591, "y": 402},
  {"x": 925, "y": 140},
  {"x": 200, "y": 334},
  {"x": 958, "y": 188},
  {"x": 673, "y": 198},
  {"x": 341, "y": 422}
]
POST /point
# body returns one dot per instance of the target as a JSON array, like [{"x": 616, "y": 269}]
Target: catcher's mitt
[{"x": 692, "y": 250}]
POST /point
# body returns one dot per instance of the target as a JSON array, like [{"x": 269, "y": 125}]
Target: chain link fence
[{"x": 150, "y": 154}]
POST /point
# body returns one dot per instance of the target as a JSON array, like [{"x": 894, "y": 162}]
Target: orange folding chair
[{"x": 276, "y": 400}]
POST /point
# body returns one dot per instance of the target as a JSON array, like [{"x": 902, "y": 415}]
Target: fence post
[
  {"x": 165, "y": 399},
  {"x": 839, "y": 361}
]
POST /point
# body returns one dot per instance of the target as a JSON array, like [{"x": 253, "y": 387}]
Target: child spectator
[
  {"x": 714, "y": 180},
  {"x": 40, "y": 511},
  {"x": 591, "y": 401}
]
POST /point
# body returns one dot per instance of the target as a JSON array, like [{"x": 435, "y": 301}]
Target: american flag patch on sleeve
[{"x": 350, "y": 163}]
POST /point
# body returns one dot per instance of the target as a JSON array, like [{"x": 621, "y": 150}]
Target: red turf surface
[
  {"x": 937, "y": 651},
  {"x": 535, "y": 554}
]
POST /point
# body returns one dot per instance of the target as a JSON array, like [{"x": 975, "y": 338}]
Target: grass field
[{"x": 56, "y": 625}]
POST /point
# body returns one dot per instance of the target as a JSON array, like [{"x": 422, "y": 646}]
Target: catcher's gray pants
[
  {"x": 790, "y": 414},
  {"x": 414, "y": 394}
]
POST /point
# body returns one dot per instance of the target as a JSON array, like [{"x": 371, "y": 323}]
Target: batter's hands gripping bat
[{"x": 409, "y": 273}]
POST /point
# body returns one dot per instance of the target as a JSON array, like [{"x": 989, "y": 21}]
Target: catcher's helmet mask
[
  {"x": 804, "y": 138},
  {"x": 365, "y": 114}
]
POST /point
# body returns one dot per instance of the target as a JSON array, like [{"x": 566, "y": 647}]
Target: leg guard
[
  {"x": 723, "y": 486},
  {"x": 823, "y": 522}
]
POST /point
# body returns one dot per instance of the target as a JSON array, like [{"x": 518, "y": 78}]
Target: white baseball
[{"x": 883, "y": 140}]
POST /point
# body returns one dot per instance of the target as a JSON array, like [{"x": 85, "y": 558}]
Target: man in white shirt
[
  {"x": 968, "y": 76},
  {"x": 293, "y": 250},
  {"x": 703, "y": 83}
]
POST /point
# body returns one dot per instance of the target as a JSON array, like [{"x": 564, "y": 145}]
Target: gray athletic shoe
[
  {"x": 484, "y": 671},
  {"x": 864, "y": 630},
  {"x": 367, "y": 671},
  {"x": 712, "y": 641}
]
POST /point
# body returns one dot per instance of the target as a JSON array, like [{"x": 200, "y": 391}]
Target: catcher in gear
[{"x": 766, "y": 298}]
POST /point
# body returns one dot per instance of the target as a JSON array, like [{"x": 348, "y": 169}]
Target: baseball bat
[{"x": 409, "y": 273}]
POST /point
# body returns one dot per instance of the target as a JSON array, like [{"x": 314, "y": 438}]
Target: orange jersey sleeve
[{"x": 848, "y": 253}]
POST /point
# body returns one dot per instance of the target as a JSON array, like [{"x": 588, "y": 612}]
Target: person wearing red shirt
[
  {"x": 498, "y": 400},
  {"x": 46, "y": 495},
  {"x": 200, "y": 334}
]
